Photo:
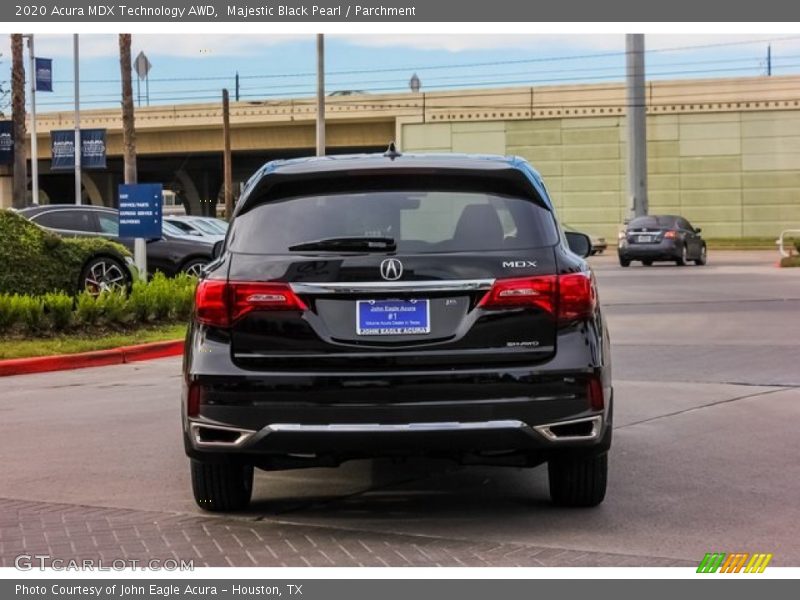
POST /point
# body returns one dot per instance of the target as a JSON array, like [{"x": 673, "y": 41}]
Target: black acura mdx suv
[{"x": 396, "y": 305}]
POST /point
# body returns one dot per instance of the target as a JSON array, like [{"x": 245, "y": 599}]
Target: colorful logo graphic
[{"x": 736, "y": 562}]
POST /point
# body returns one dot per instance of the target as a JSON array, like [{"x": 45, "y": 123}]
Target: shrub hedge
[
  {"x": 157, "y": 301},
  {"x": 34, "y": 261}
]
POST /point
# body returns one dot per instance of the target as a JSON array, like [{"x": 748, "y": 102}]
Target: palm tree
[
  {"x": 128, "y": 131},
  {"x": 20, "y": 183}
]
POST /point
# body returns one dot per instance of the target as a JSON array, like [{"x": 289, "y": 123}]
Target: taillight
[
  {"x": 594, "y": 390},
  {"x": 247, "y": 297},
  {"x": 211, "y": 303},
  {"x": 520, "y": 293},
  {"x": 221, "y": 303},
  {"x": 671, "y": 235},
  {"x": 577, "y": 299},
  {"x": 193, "y": 399},
  {"x": 569, "y": 297}
]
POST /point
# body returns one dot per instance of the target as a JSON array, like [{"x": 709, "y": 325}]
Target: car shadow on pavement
[{"x": 418, "y": 489}]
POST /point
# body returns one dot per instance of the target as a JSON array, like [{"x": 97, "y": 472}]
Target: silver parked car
[{"x": 206, "y": 227}]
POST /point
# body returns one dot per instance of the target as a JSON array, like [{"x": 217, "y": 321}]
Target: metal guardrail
[{"x": 780, "y": 241}]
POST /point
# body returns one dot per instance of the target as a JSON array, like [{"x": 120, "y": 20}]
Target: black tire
[
  {"x": 647, "y": 263},
  {"x": 703, "y": 257},
  {"x": 221, "y": 487},
  {"x": 102, "y": 273},
  {"x": 624, "y": 262},
  {"x": 194, "y": 266},
  {"x": 682, "y": 259},
  {"x": 578, "y": 480}
]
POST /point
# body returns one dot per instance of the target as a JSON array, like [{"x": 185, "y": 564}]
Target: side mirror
[
  {"x": 579, "y": 243},
  {"x": 698, "y": 230},
  {"x": 216, "y": 251}
]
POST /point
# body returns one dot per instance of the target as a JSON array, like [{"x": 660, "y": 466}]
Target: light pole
[
  {"x": 78, "y": 149},
  {"x": 636, "y": 116},
  {"x": 320, "y": 94}
]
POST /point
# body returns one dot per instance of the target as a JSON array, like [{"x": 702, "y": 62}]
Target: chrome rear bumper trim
[
  {"x": 389, "y": 427},
  {"x": 366, "y": 287}
]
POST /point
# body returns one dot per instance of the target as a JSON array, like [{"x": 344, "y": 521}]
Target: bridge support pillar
[
  {"x": 191, "y": 196},
  {"x": 6, "y": 187}
]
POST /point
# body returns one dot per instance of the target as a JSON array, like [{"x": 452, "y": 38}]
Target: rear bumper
[
  {"x": 271, "y": 418},
  {"x": 335, "y": 443},
  {"x": 327, "y": 418},
  {"x": 664, "y": 250}
]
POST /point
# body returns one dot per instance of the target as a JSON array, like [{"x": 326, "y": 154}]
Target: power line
[
  {"x": 454, "y": 65},
  {"x": 663, "y": 100},
  {"x": 298, "y": 89}
]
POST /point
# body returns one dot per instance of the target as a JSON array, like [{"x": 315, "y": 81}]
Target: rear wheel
[
  {"x": 103, "y": 273},
  {"x": 682, "y": 259},
  {"x": 221, "y": 487},
  {"x": 195, "y": 267},
  {"x": 578, "y": 480},
  {"x": 703, "y": 256},
  {"x": 624, "y": 262}
]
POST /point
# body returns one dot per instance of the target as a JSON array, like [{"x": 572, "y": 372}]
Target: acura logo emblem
[{"x": 391, "y": 269}]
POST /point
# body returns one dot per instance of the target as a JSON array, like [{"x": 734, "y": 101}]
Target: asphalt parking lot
[{"x": 705, "y": 455}]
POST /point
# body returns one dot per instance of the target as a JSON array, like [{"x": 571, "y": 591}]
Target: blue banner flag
[
  {"x": 44, "y": 74},
  {"x": 6, "y": 143},
  {"x": 93, "y": 149}
]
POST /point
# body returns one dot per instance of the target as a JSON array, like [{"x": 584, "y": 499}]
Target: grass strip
[{"x": 87, "y": 342}]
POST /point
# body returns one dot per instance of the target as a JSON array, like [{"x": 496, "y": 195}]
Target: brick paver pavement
[{"x": 70, "y": 532}]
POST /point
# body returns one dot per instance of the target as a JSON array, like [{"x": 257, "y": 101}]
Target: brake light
[
  {"x": 520, "y": 293},
  {"x": 211, "y": 302},
  {"x": 594, "y": 390},
  {"x": 247, "y": 297},
  {"x": 671, "y": 235},
  {"x": 193, "y": 399},
  {"x": 221, "y": 303},
  {"x": 569, "y": 297},
  {"x": 577, "y": 298}
]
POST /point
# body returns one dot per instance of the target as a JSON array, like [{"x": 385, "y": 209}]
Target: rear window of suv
[{"x": 418, "y": 221}]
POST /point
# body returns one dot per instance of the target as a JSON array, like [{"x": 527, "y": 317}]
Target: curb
[{"x": 98, "y": 358}]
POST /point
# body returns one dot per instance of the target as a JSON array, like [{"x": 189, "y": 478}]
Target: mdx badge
[
  {"x": 519, "y": 264},
  {"x": 391, "y": 269}
]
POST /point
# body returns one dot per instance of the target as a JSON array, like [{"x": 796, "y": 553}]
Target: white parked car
[{"x": 205, "y": 227}]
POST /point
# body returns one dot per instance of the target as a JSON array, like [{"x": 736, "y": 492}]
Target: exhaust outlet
[
  {"x": 204, "y": 435},
  {"x": 585, "y": 429}
]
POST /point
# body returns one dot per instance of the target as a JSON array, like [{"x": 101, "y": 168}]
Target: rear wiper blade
[{"x": 377, "y": 244}]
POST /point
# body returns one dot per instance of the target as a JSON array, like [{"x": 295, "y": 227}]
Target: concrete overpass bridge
[{"x": 724, "y": 152}]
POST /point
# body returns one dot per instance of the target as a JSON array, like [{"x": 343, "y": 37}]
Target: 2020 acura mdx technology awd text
[{"x": 396, "y": 305}]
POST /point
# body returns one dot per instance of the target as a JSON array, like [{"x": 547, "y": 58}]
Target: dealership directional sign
[{"x": 140, "y": 210}]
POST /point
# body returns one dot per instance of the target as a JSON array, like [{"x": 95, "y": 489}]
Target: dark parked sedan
[
  {"x": 172, "y": 254},
  {"x": 661, "y": 238},
  {"x": 397, "y": 305}
]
